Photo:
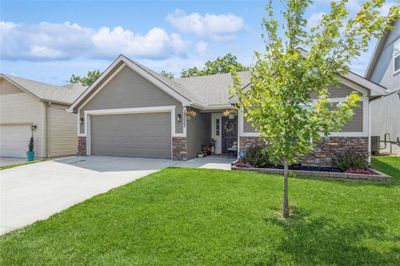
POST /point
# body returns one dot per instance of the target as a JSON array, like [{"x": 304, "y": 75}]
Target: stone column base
[
  {"x": 82, "y": 146},
  {"x": 179, "y": 148}
]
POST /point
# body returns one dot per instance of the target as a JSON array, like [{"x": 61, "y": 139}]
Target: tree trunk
[{"x": 285, "y": 211}]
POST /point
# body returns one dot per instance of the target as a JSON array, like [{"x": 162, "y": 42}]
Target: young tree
[
  {"x": 87, "y": 80},
  {"x": 167, "y": 74},
  {"x": 283, "y": 79},
  {"x": 225, "y": 64}
]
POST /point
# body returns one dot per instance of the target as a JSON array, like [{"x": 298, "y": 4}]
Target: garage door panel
[
  {"x": 14, "y": 140},
  {"x": 134, "y": 135}
]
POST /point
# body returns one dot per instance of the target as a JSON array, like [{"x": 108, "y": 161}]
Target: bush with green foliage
[
  {"x": 350, "y": 160},
  {"x": 256, "y": 156}
]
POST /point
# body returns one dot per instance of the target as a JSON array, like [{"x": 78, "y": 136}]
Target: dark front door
[{"x": 229, "y": 133}]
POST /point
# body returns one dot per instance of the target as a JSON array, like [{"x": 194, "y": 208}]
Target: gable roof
[
  {"x": 378, "y": 49},
  {"x": 169, "y": 86},
  {"x": 58, "y": 94}
]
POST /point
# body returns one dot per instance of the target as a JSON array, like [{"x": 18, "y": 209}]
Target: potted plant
[
  {"x": 231, "y": 113},
  {"x": 190, "y": 114},
  {"x": 30, "y": 153},
  {"x": 200, "y": 155}
]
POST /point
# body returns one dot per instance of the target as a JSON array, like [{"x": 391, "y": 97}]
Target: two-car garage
[{"x": 133, "y": 135}]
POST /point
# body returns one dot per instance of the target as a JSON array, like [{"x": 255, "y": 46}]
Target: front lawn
[
  {"x": 389, "y": 165},
  {"x": 213, "y": 217}
]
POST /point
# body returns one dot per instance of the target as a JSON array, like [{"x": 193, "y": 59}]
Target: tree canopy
[
  {"x": 87, "y": 80},
  {"x": 167, "y": 74},
  {"x": 224, "y": 64},
  {"x": 288, "y": 100}
]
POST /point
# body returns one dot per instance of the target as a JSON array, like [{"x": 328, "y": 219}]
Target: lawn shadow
[{"x": 308, "y": 240}]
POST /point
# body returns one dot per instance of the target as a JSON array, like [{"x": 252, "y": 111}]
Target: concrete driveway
[{"x": 36, "y": 191}]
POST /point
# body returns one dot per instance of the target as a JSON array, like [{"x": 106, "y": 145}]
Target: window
[
  {"x": 217, "y": 126},
  {"x": 396, "y": 57}
]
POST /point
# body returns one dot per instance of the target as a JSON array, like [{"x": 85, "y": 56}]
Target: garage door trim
[{"x": 156, "y": 109}]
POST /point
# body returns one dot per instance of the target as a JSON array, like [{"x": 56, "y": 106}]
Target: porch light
[
  {"x": 178, "y": 118},
  {"x": 81, "y": 120},
  {"x": 33, "y": 127}
]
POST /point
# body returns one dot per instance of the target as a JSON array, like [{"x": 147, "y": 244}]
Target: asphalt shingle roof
[
  {"x": 212, "y": 89},
  {"x": 53, "y": 93}
]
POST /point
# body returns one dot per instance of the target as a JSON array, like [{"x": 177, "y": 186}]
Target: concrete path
[
  {"x": 35, "y": 192},
  {"x": 10, "y": 160}
]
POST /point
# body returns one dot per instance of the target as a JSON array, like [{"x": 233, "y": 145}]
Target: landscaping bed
[
  {"x": 346, "y": 165},
  {"x": 373, "y": 175}
]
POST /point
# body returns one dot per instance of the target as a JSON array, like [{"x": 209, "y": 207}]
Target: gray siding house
[
  {"x": 133, "y": 111},
  {"x": 384, "y": 69},
  {"x": 30, "y": 108}
]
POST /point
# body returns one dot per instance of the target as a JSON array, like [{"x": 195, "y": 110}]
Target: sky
[{"x": 49, "y": 41}]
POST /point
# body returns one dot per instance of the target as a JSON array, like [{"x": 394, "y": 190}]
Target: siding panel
[{"x": 62, "y": 138}]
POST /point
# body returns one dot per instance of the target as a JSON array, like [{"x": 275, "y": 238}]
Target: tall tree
[
  {"x": 284, "y": 77},
  {"x": 167, "y": 74},
  {"x": 225, "y": 64},
  {"x": 87, "y": 80}
]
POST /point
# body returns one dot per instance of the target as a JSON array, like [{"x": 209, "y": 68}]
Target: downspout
[
  {"x": 369, "y": 132},
  {"x": 45, "y": 130}
]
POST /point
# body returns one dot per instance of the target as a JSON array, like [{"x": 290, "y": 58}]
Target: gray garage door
[{"x": 132, "y": 135}]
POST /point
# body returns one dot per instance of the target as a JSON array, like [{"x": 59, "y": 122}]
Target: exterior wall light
[{"x": 178, "y": 118}]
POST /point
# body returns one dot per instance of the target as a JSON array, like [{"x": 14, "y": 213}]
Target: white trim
[
  {"x": 141, "y": 110},
  {"x": 346, "y": 134}
]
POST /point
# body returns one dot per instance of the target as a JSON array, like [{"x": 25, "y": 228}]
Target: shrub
[
  {"x": 256, "y": 156},
  {"x": 350, "y": 160}
]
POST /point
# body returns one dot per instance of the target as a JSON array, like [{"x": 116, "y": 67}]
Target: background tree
[
  {"x": 225, "y": 64},
  {"x": 167, "y": 74},
  {"x": 283, "y": 78},
  {"x": 87, "y": 80}
]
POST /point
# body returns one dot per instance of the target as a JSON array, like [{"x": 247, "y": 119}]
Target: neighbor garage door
[
  {"x": 132, "y": 135},
  {"x": 14, "y": 140}
]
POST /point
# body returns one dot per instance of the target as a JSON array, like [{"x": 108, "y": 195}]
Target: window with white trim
[{"x": 396, "y": 56}]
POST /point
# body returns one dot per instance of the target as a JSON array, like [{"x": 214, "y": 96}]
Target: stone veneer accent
[
  {"x": 324, "y": 153},
  {"x": 82, "y": 146},
  {"x": 179, "y": 148}
]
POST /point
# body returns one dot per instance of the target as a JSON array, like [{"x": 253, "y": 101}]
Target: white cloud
[
  {"x": 201, "y": 47},
  {"x": 217, "y": 27},
  {"x": 52, "y": 41}
]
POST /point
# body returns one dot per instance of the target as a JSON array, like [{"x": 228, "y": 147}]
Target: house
[
  {"x": 30, "y": 108},
  {"x": 384, "y": 69},
  {"x": 133, "y": 111}
]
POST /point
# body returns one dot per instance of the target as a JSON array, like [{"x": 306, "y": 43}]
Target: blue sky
[{"x": 50, "y": 40}]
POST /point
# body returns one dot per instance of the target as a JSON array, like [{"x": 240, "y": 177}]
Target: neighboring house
[
  {"x": 33, "y": 108},
  {"x": 133, "y": 111},
  {"x": 384, "y": 69}
]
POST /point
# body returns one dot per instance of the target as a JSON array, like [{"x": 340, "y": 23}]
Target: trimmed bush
[
  {"x": 257, "y": 157},
  {"x": 350, "y": 160}
]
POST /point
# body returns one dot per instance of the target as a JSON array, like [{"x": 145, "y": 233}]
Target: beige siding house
[
  {"x": 29, "y": 108},
  {"x": 133, "y": 111}
]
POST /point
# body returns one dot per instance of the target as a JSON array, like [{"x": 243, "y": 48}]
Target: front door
[{"x": 229, "y": 133}]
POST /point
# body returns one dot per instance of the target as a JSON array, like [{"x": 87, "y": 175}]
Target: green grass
[
  {"x": 212, "y": 217},
  {"x": 16, "y": 165},
  {"x": 389, "y": 165}
]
